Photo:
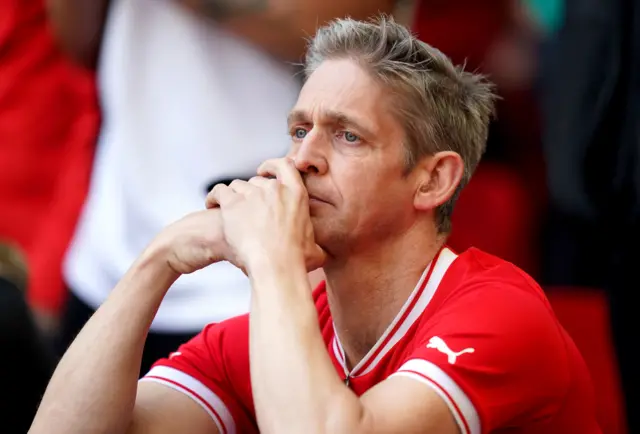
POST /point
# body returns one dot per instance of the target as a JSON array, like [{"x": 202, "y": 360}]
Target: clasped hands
[{"x": 247, "y": 223}]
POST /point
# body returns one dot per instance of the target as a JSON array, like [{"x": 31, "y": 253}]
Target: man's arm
[
  {"x": 78, "y": 27},
  {"x": 302, "y": 392},
  {"x": 162, "y": 410},
  {"x": 95, "y": 384},
  {"x": 281, "y": 26}
]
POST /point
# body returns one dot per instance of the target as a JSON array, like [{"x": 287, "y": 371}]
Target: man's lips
[{"x": 317, "y": 198}]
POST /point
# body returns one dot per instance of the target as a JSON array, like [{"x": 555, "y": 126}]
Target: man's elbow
[{"x": 348, "y": 417}]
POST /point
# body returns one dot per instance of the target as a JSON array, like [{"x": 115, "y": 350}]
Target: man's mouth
[{"x": 316, "y": 198}]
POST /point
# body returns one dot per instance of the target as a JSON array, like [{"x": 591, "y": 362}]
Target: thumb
[{"x": 316, "y": 258}]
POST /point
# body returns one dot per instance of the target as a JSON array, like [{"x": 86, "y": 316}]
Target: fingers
[
  {"x": 284, "y": 170},
  {"x": 237, "y": 186},
  {"x": 219, "y": 195},
  {"x": 210, "y": 201},
  {"x": 315, "y": 258},
  {"x": 241, "y": 187},
  {"x": 261, "y": 181}
]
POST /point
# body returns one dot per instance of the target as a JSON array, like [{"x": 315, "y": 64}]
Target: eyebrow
[{"x": 330, "y": 116}]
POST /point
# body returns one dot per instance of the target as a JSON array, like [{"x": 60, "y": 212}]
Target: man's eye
[
  {"x": 299, "y": 133},
  {"x": 348, "y": 137}
]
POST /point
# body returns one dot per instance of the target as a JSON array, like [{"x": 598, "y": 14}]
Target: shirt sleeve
[
  {"x": 213, "y": 370},
  {"x": 496, "y": 356}
]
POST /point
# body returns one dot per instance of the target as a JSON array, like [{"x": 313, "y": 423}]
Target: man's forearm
[
  {"x": 93, "y": 389},
  {"x": 280, "y": 27},
  {"x": 78, "y": 26},
  {"x": 295, "y": 386},
  {"x": 225, "y": 9}
]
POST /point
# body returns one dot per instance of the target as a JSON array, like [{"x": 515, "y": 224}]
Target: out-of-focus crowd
[{"x": 117, "y": 117}]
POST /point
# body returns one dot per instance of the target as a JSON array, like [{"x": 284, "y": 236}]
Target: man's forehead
[
  {"x": 339, "y": 90},
  {"x": 340, "y": 82}
]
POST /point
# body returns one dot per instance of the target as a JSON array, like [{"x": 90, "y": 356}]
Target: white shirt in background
[{"x": 184, "y": 104}]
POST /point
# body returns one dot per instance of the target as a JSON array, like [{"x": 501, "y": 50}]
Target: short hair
[{"x": 441, "y": 106}]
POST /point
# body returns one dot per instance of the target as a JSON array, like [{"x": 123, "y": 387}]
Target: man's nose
[{"x": 310, "y": 156}]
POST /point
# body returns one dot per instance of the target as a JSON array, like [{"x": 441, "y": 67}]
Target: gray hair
[{"x": 442, "y": 107}]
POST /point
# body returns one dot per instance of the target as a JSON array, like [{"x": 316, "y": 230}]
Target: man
[
  {"x": 179, "y": 83},
  {"x": 405, "y": 336}
]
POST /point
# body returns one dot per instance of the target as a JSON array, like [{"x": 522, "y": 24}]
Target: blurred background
[{"x": 116, "y": 117}]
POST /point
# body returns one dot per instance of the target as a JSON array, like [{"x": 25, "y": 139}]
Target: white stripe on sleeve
[
  {"x": 197, "y": 391},
  {"x": 458, "y": 402}
]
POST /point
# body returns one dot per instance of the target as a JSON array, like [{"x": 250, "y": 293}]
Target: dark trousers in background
[
  {"x": 607, "y": 256},
  {"x": 157, "y": 345},
  {"x": 622, "y": 286},
  {"x": 26, "y": 364}
]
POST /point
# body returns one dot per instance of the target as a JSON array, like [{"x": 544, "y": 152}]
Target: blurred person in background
[
  {"x": 591, "y": 101},
  {"x": 193, "y": 93},
  {"x": 498, "y": 38},
  {"x": 27, "y": 362},
  {"x": 48, "y": 122}
]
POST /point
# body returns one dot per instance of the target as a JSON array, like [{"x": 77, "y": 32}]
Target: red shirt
[
  {"x": 464, "y": 30},
  {"x": 48, "y": 124},
  {"x": 476, "y": 330}
]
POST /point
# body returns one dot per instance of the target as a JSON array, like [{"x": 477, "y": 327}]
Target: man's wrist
[
  {"x": 155, "y": 259},
  {"x": 267, "y": 264},
  {"x": 144, "y": 285}
]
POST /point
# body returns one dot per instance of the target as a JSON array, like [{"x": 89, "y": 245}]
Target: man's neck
[{"x": 367, "y": 290}]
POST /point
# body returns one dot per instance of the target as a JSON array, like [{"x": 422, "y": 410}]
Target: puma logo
[{"x": 440, "y": 345}]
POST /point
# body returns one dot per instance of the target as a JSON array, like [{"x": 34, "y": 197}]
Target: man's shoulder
[
  {"x": 489, "y": 304},
  {"x": 475, "y": 270},
  {"x": 480, "y": 289},
  {"x": 491, "y": 333}
]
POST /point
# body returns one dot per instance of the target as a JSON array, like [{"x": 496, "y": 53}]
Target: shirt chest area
[
  {"x": 397, "y": 343},
  {"x": 371, "y": 370}
]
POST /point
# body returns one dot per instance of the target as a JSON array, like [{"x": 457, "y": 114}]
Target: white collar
[{"x": 408, "y": 315}]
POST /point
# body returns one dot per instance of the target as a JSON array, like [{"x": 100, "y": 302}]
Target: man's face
[{"x": 348, "y": 146}]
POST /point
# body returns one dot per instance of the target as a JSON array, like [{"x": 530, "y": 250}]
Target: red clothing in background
[
  {"x": 48, "y": 124},
  {"x": 498, "y": 210},
  {"x": 462, "y": 29}
]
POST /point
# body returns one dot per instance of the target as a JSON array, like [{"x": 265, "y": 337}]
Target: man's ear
[{"x": 439, "y": 176}]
